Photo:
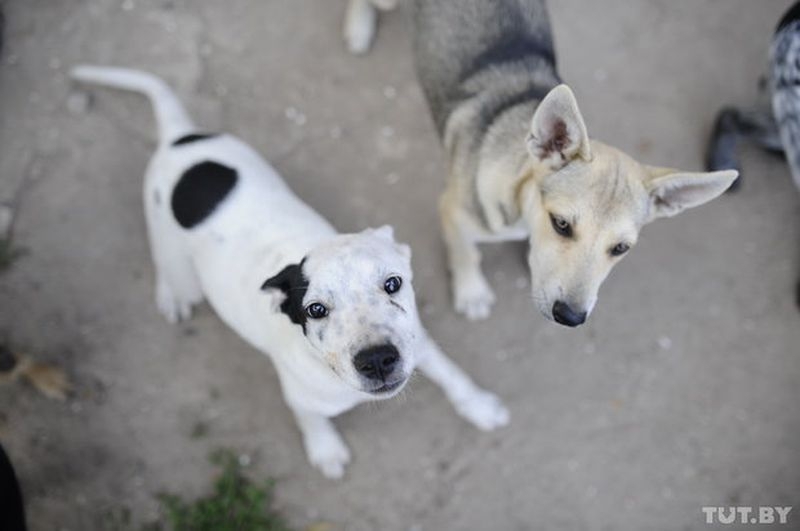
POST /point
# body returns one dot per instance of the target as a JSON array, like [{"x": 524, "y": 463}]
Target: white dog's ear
[
  {"x": 386, "y": 232},
  {"x": 672, "y": 191},
  {"x": 558, "y": 132},
  {"x": 292, "y": 282},
  {"x": 405, "y": 250}
]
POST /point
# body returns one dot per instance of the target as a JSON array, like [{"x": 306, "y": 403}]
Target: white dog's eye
[
  {"x": 393, "y": 284},
  {"x": 619, "y": 249},
  {"x": 316, "y": 310},
  {"x": 561, "y": 226}
]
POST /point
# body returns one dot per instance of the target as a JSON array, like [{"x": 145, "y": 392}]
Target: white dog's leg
[
  {"x": 360, "y": 23},
  {"x": 472, "y": 295},
  {"x": 324, "y": 446},
  {"x": 482, "y": 408},
  {"x": 177, "y": 286}
]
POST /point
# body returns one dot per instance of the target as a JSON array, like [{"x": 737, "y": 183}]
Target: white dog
[{"x": 336, "y": 313}]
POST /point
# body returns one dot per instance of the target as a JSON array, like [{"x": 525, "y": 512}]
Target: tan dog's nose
[{"x": 565, "y": 315}]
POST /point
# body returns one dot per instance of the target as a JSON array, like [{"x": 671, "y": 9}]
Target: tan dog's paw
[
  {"x": 484, "y": 409},
  {"x": 473, "y": 298}
]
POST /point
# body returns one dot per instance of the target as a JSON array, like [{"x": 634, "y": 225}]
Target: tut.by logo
[{"x": 747, "y": 515}]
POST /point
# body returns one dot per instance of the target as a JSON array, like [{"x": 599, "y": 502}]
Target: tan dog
[{"x": 522, "y": 164}]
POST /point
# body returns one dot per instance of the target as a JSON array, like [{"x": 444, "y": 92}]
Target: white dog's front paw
[
  {"x": 473, "y": 297},
  {"x": 360, "y": 26},
  {"x": 329, "y": 454},
  {"x": 483, "y": 409},
  {"x": 170, "y": 305}
]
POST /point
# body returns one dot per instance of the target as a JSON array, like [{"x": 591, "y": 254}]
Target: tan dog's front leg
[{"x": 472, "y": 295}]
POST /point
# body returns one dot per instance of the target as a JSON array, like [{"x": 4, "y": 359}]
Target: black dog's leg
[
  {"x": 12, "y": 516},
  {"x": 732, "y": 125},
  {"x": 721, "y": 153},
  {"x": 797, "y": 295}
]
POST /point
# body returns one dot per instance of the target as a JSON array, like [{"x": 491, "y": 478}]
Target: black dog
[{"x": 778, "y": 131}]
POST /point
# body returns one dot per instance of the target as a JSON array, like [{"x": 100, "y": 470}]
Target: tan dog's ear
[
  {"x": 672, "y": 191},
  {"x": 557, "y": 130}
]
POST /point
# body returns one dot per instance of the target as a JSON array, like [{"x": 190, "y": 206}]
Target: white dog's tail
[{"x": 172, "y": 119}]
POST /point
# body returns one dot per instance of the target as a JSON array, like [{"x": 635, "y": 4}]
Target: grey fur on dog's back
[
  {"x": 459, "y": 55},
  {"x": 490, "y": 75}
]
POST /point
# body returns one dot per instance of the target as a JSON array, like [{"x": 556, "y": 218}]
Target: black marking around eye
[
  {"x": 294, "y": 284},
  {"x": 200, "y": 190},
  {"x": 194, "y": 137}
]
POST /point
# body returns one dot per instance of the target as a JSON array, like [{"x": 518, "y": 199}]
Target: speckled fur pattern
[
  {"x": 256, "y": 230},
  {"x": 777, "y": 129}
]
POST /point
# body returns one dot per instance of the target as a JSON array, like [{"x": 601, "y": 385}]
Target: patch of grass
[
  {"x": 235, "y": 505},
  {"x": 9, "y": 254}
]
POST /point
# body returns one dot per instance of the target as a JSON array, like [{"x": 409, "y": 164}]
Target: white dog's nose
[{"x": 378, "y": 362}]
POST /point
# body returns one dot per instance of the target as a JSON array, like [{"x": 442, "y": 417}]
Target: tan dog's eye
[
  {"x": 561, "y": 226},
  {"x": 619, "y": 249}
]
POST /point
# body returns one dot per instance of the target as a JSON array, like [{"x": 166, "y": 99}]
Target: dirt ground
[{"x": 682, "y": 390}]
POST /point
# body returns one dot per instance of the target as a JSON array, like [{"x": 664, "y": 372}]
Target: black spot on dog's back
[
  {"x": 194, "y": 137},
  {"x": 200, "y": 190}
]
